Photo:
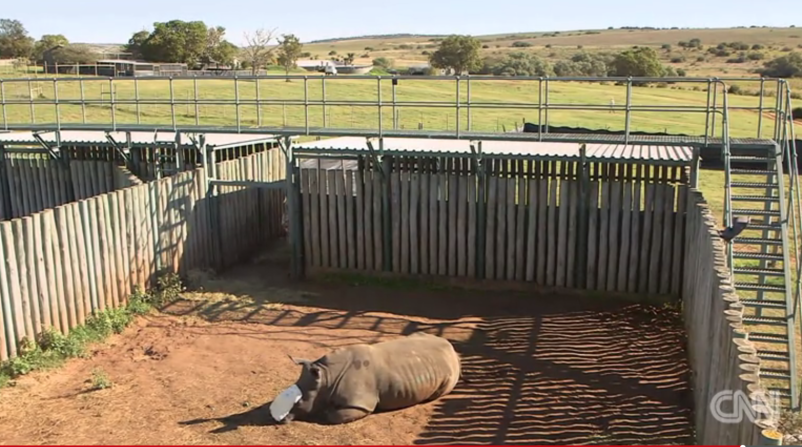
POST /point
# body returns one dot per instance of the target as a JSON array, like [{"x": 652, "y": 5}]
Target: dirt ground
[{"x": 536, "y": 369}]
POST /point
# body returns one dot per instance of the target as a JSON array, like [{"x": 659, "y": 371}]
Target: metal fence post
[
  {"x": 172, "y": 102},
  {"x": 379, "y": 103},
  {"x": 136, "y": 99},
  {"x": 306, "y": 104},
  {"x": 83, "y": 103},
  {"x": 197, "y": 106},
  {"x": 708, "y": 112},
  {"x": 113, "y": 111},
  {"x": 236, "y": 101},
  {"x": 760, "y": 109},
  {"x": 33, "y": 107},
  {"x": 457, "y": 125},
  {"x": 547, "y": 105},
  {"x": 468, "y": 101},
  {"x": 258, "y": 105},
  {"x": 3, "y": 99},
  {"x": 55, "y": 102},
  {"x": 628, "y": 113},
  {"x": 323, "y": 89},
  {"x": 540, "y": 109}
]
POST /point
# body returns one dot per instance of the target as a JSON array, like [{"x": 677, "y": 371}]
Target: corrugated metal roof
[
  {"x": 510, "y": 148},
  {"x": 137, "y": 138}
]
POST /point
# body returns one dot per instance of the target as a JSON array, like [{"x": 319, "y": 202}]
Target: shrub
[
  {"x": 700, "y": 59},
  {"x": 797, "y": 113},
  {"x": 758, "y": 46},
  {"x": 382, "y": 62},
  {"x": 787, "y": 66},
  {"x": 755, "y": 56},
  {"x": 734, "y": 90},
  {"x": 681, "y": 72},
  {"x": 485, "y": 46},
  {"x": 677, "y": 60},
  {"x": 737, "y": 60},
  {"x": 521, "y": 44},
  {"x": 666, "y": 46}
]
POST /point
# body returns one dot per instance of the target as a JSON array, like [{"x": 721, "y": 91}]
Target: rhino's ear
[{"x": 298, "y": 361}]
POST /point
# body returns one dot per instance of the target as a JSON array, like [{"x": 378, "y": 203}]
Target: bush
[
  {"x": 521, "y": 44},
  {"x": 797, "y": 113},
  {"x": 758, "y": 46},
  {"x": 522, "y": 64},
  {"x": 666, "y": 46},
  {"x": 737, "y": 60},
  {"x": 681, "y": 72},
  {"x": 788, "y": 66},
  {"x": 485, "y": 46},
  {"x": 700, "y": 59},
  {"x": 734, "y": 90},
  {"x": 677, "y": 60},
  {"x": 382, "y": 62}
]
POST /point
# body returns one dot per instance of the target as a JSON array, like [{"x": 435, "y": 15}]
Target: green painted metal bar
[{"x": 583, "y": 216}]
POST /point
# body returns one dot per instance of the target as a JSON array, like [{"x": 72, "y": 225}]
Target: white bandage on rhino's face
[{"x": 283, "y": 403}]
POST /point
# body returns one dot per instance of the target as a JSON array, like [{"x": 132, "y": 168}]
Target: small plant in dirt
[
  {"x": 790, "y": 425},
  {"x": 52, "y": 348},
  {"x": 168, "y": 289},
  {"x": 100, "y": 380}
]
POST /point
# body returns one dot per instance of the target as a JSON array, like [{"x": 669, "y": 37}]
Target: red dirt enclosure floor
[{"x": 536, "y": 369}]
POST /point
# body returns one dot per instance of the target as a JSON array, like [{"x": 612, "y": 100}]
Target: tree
[
  {"x": 289, "y": 50},
  {"x": 135, "y": 44},
  {"x": 217, "y": 49},
  {"x": 522, "y": 64},
  {"x": 14, "y": 40},
  {"x": 47, "y": 42},
  {"x": 459, "y": 53},
  {"x": 640, "y": 62},
  {"x": 176, "y": 41},
  {"x": 788, "y": 66},
  {"x": 349, "y": 58},
  {"x": 257, "y": 52},
  {"x": 74, "y": 54}
]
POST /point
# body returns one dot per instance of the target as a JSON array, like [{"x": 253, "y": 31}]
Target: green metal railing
[{"x": 248, "y": 108}]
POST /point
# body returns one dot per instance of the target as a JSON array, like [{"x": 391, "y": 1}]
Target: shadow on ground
[
  {"x": 536, "y": 369},
  {"x": 255, "y": 417}
]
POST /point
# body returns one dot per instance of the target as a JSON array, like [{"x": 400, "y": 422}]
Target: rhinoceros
[{"x": 352, "y": 382}]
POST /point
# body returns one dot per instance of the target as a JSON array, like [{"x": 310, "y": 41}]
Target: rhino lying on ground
[{"x": 352, "y": 382}]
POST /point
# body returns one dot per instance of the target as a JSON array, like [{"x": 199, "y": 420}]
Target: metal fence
[{"x": 248, "y": 97}]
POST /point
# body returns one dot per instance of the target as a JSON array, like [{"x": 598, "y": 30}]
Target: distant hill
[{"x": 376, "y": 36}]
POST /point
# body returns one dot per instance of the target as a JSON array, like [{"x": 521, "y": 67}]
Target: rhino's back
[{"x": 415, "y": 369}]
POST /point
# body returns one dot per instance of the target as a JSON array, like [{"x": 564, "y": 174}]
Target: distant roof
[
  {"x": 595, "y": 152},
  {"x": 119, "y": 61},
  {"x": 217, "y": 140}
]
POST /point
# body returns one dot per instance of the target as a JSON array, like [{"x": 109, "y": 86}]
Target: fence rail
[{"x": 243, "y": 94}]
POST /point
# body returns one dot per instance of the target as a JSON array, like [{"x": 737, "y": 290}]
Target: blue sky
[{"x": 106, "y": 21}]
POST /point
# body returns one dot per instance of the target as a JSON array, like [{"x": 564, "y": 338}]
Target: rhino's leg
[{"x": 345, "y": 415}]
